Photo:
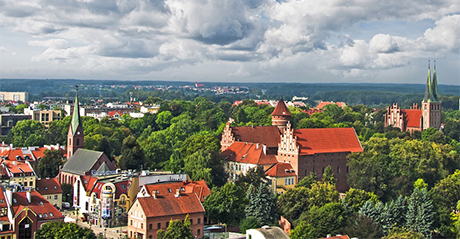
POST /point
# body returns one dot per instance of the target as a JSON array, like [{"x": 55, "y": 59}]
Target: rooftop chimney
[
  {"x": 154, "y": 194},
  {"x": 29, "y": 196},
  {"x": 9, "y": 195},
  {"x": 177, "y": 193},
  {"x": 264, "y": 147}
]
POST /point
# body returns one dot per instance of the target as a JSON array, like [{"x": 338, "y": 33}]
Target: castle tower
[
  {"x": 75, "y": 137},
  {"x": 281, "y": 115},
  {"x": 431, "y": 106}
]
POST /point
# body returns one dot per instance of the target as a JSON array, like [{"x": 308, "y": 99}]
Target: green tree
[
  {"x": 48, "y": 166},
  {"x": 307, "y": 181},
  {"x": 420, "y": 213},
  {"x": 207, "y": 165},
  {"x": 28, "y": 133},
  {"x": 328, "y": 175},
  {"x": 58, "y": 230},
  {"x": 177, "y": 229},
  {"x": 403, "y": 233},
  {"x": 262, "y": 205},
  {"x": 254, "y": 176},
  {"x": 322, "y": 193},
  {"x": 355, "y": 198},
  {"x": 132, "y": 155},
  {"x": 226, "y": 204},
  {"x": 360, "y": 226},
  {"x": 249, "y": 223},
  {"x": 294, "y": 202},
  {"x": 67, "y": 192},
  {"x": 164, "y": 119}
]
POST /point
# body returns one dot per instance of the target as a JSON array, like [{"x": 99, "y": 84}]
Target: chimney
[
  {"x": 29, "y": 196},
  {"x": 9, "y": 195},
  {"x": 177, "y": 193},
  {"x": 257, "y": 146},
  {"x": 14, "y": 162},
  {"x": 154, "y": 194},
  {"x": 264, "y": 147}
]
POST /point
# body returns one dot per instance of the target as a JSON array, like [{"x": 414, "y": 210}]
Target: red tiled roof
[
  {"x": 324, "y": 103},
  {"x": 48, "y": 186},
  {"x": 200, "y": 188},
  {"x": 413, "y": 117},
  {"x": 327, "y": 140},
  {"x": 251, "y": 153},
  {"x": 268, "y": 135},
  {"x": 168, "y": 205},
  {"x": 312, "y": 111},
  {"x": 337, "y": 237},
  {"x": 281, "y": 169},
  {"x": 113, "y": 113},
  {"x": 20, "y": 167},
  {"x": 38, "y": 204},
  {"x": 281, "y": 109},
  {"x": 12, "y": 155}
]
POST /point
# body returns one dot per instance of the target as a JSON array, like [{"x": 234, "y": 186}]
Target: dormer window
[
  {"x": 40, "y": 215},
  {"x": 55, "y": 187},
  {"x": 182, "y": 189},
  {"x": 51, "y": 214},
  {"x": 41, "y": 203},
  {"x": 46, "y": 215},
  {"x": 169, "y": 190},
  {"x": 46, "y": 188},
  {"x": 14, "y": 200}
]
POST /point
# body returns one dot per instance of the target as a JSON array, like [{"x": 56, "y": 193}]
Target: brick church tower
[
  {"x": 75, "y": 137},
  {"x": 431, "y": 105},
  {"x": 281, "y": 115}
]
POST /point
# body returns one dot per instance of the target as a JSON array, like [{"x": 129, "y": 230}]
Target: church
[
  {"x": 80, "y": 161},
  {"x": 415, "y": 118},
  {"x": 295, "y": 152}
]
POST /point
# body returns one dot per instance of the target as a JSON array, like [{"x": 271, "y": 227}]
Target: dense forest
[{"x": 402, "y": 185}]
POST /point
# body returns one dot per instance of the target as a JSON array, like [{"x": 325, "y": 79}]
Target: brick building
[{"x": 415, "y": 118}]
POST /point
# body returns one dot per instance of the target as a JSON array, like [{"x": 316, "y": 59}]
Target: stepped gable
[
  {"x": 281, "y": 109},
  {"x": 250, "y": 153},
  {"x": 281, "y": 169},
  {"x": 327, "y": 140},
  {"x": 268, "y": 135}
]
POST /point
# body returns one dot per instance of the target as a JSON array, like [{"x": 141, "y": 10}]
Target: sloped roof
[
  {"x": 251, "y": 153},
  {"x": 76, "y": 121},
  {"x": 337, "y": 237},
  {"x": 270, "y": 233},
  {"x": 38, "y": 204},
  {"x": 103, "y": 168},
  {"x": 169, "y": 205},
  {"x": 48, "y": 186},
  {"x": 327, "y": 140},
  {"x": 281, "y": 169},
  {"x": 324, "y": 103},
  {"x": 15, "y": 154},
  {"x": 281, "y": 109},
  {"x": 3, "y": 205},
  {"x": 82, "y": 161},
  {"x": 20, "y": 167},
  {"x": 200, "y": 188},
  {"x": 268, "y": 135},
  {"x": 413, "y": 117}
]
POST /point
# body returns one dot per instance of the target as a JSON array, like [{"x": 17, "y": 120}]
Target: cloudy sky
[{"x": 310, "y": 41}]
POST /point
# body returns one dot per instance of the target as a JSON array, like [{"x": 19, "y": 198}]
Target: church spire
[
  {"x": 76, "y": 115},
  {"x": 435, "y": 84},
  {"x": 428, "y": 89}
]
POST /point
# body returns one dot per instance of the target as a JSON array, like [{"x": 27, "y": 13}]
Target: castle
[{"x": 416, "y": 119}]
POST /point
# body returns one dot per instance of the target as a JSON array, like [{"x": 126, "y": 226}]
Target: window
[
  {"x": 199, "y": 220},
  {"x": 51, "y": 214},
  {"x": 191, "y": 221},
  {"x": 131, "y": 222},
  {"x": 167, "y": 224},
  {"x": 25, "y": 184},
  {"x": 338, "y": 169},
  {"x": 150, "y": 236},
  {"x": 169, "y": 190},
  {"x": 142, "y": 225},
  {"x": 198, "y": 232},
  {"x": 150, "y": 226},
  {"x": 40, "y": 215},
  {"x": 159, "y": 225},
  {"x": 45, "y": 214},
  {"x": 55, "y": 197}
]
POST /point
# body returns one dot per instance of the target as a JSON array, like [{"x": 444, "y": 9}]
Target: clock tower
[{"x": 75, "y": 137}]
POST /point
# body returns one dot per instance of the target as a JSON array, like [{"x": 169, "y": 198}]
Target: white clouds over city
[{"x": 230, "y": 40}]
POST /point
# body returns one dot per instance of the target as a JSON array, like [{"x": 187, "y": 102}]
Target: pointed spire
[
  {"x": 428, "y": 90},
  {"x": 435, "y": 84},
  {"x": 76, "y": 114},
  {"x": 281, "y": 109}
]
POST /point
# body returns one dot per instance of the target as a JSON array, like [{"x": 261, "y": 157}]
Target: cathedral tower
[
  {"x": 75, "y": 137},
  {"x": 281, "y": 115},
  {"x": 431, "y": 105}
]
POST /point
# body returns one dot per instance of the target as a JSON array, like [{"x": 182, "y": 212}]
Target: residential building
[
  {"x": 266, "y": 232},
  {"x": 153, "y": 210},
  {"x": 20, "y": 172},
  {"x": 281, "y": 177},
  {"x": 14, "y": 96},
  {"x": 44, "y": 116},
  {"x": 8, "y": 121},
  {"x": 27, "y": 211},
  {"x": 416, "y": 119},
  {"x": 51, "y": 190}
]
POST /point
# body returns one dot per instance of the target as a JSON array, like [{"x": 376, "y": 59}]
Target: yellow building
[
  {"x": 14, "y": 96},
  {"x": 44, "y": 116},
  {"x": 20, "y": 172},
  {"x": 281, "y": 177}
]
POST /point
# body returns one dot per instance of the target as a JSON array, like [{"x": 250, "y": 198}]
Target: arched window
[{"x": 25, "y": 229}]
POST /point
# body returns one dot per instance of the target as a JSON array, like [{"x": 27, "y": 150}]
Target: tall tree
[
  {"x": 226, "y": 204},
  {"x": 420, "y": 213},
  {"x": 58, "y": 230},
  {"x": 132, "y": 155},
  {"x": 262, "y": 205},
  {"x": 48, "y": 166}
]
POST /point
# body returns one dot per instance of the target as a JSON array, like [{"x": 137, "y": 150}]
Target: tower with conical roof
[
  {"x": 281, "y": 115},
  {"x": 431, "y": 105},
  {"x": 75, "y": 137}
]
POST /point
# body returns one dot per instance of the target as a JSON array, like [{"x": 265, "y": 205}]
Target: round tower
[{"x": 281, "y": 115}]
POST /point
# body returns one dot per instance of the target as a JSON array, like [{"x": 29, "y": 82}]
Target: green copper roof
[
  {"x": 428, "y": 96},
  {"x": 75, "y": 116},
  {"x": 435, "y": 85}
]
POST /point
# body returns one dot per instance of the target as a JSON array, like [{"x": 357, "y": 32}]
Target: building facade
[{"x": 14, "y": 96}]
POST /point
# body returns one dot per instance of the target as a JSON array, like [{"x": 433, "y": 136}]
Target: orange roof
[
  {"x": 168, "y": 204},
  {"x": 268, "y": 135},
  {"x": 337, "y": 237},
  {"x": 251, "y": 153},
  {"x": 38, "y": 204},
  {"x": 20, "y": 167},
  {"x": 312, "y": 111},
  {"x": 281, "y": 169},
  {"x": 113, "y": 113},
  {"x": 413, "y": 118},
  {"x": 324, "y": 103},
  {"x": 48, "y": 186},
  {"x": 15, "y": 154},
  {"x": 327, "y": 140},
  {"x": 200, "y": 188},
  {"x": 281, "y": 109}
]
